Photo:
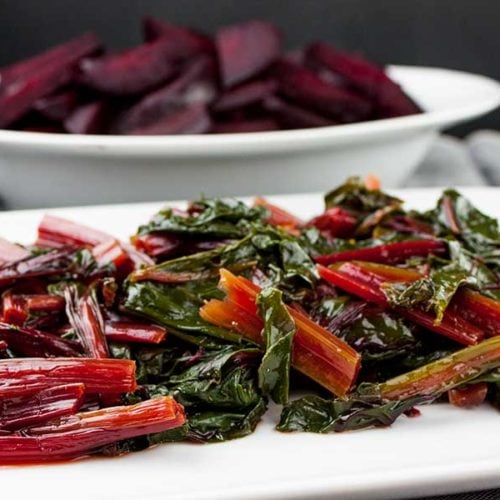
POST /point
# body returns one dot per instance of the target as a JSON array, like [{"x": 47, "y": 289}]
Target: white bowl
[{"x": 39, "y": 170}]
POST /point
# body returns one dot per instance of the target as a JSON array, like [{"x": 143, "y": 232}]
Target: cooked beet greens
[{"x": 219, "y": 309}]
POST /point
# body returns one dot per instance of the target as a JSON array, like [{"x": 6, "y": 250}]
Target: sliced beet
[
  {"x": 292, "y": 116},
  {"x": 242, "y": 126},
  {"x": 245, "y": 49},
  {"x": 57, "y": 106},
  {"x": 130, "y": 72},
  {"x": 393, "y": 102},
  {"x": 364, "y": 76},
  {"x": 302, "y": 86},
  {"x": 70, "y": 51},
  {"x": 88, "y": 119},
  {"x": 184, "y": 41},
  {"x": 195, "y": 84},
  {"x": 244, "y": 95},
  {"x": 23, "y": 85},
  {"x": 19, "y": 96},
  {"x": 188, "y": 119}
]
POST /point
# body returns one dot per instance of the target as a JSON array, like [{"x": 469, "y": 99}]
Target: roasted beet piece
[
  {"x": 242, "y": 126},
  {"x": 24, "y": 84},
  {"x": 184, "y": 42},
  {"x": 304, "y": 87},
  {"x": 189, "y": 119},
  {"x": 88, "y": 119},
  {"x": 70, "y": 51},
  {"x": 20, "y": 96},
  {"x": 195, "y": 84},
  {"x": 57, "y": 106},
  {"x": 364, "y": 76},
  {"x": 244, "y": 95},
  {"x": 130, "y": 72},
  {"x": 292, "y": 116},
  {"x": 245, "y": 49}
]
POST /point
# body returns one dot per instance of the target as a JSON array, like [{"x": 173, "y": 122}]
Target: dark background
[{"x": 459, "y": 34}]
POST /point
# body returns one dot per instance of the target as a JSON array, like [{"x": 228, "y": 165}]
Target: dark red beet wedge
[
  {"x": 292, "y": 116},
  {"x": 245, "y": 49},
  {"x": 304, "y": 87},
  {"x": 70, "y": 51},
  {"x": 184, "y": 42},
  {"x": 364, "y": 76},
  {"x": 242, "y": 126},
  {"x": 88, "y": 119},
  {"x": 24, "y": 84},
  {"x": 19, "y": 97},
  {"x": 190, "y": 119},
  {"x": 195, "y": 84},
  {"x": 248, "y": 93},
  {"x": 58, "y": 106},
  {"x": 131, "y": 72}
]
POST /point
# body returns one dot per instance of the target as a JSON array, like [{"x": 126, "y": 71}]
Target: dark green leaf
[
  {"x": 120, "y": 351},
  {"x": 224, "y": 425},
  {"x": 218, "y": 389},
  {"x": 279, "y": 330},
  {"x": 315, "y": 414},
  {"x": 446, "y": 282},
  {"x": 281, "y": 258},
  {"x": 354, "y": 195},
  {"x": 176, "y": 306},
  {"x": 222, "y": 379},
  {"x": 213, "y": 218},
  {"x": 202, "y": 265},
  {"x": 380, "y": 336},
  {"x": 313, "y": 242},
  {"x": 408, "y": 294},
  {"x": 156, "y": 364},
  {"x": 434, "y": 292},
  {"x": 455, "y": 213},
  {"x": 177, "y": 434},
  {"x": 485, "y": 277},
  {"x": 328, "y": 307}
]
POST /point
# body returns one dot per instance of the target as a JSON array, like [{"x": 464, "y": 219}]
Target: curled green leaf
[
  {"x": 315, "y": 414},
  {"x": 279, "y": 330}
]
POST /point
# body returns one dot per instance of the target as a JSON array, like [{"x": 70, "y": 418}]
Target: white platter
[
  {"x": 39, "y": 169},
  {"x": 445, "y": 450}
]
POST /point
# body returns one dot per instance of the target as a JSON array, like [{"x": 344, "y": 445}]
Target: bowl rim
[{"x": 486, "y": 99}]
